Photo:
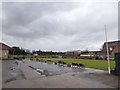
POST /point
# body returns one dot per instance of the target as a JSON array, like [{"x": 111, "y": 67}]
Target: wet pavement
[
  {"x": 38, "y": 74},
  {"x": 50, "y": 69},
  {"x": 11, "y": 71}
]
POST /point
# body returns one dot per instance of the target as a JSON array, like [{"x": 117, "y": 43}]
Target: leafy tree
[{"x": 18, "y": 51}]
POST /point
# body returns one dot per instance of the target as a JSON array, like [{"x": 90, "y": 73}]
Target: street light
[{"x": 107, "y": 51}]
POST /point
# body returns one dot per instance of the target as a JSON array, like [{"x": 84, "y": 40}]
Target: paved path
[{"x": 65, "y": 80}]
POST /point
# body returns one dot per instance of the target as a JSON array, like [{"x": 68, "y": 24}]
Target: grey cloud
[
  {"x": 21, "y": 15},
  {"x": 64, "y": 26}
]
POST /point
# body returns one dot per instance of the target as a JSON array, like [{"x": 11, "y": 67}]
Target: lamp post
[{"x": 107, "y": 51}]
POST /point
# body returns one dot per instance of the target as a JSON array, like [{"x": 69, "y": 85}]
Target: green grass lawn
[{"x": 96, "y": 64}]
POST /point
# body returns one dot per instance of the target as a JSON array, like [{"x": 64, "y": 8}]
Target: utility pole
[{"x": 107, "y": 51}]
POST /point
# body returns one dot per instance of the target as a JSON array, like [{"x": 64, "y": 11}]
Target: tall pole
[
  {"x": 107, "y": 51},
  {"x": 13, "y": 53}
]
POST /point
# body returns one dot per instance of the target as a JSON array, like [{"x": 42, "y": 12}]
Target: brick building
[
  {"x": 4, "y": 51},
  {"x": 113, "y": 47},
  {"x": 80, "y": 55}
]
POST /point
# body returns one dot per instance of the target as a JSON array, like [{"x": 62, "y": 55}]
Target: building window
[
  {"x": 111, "y": 49},
  {"x": 5, "y": 54}
]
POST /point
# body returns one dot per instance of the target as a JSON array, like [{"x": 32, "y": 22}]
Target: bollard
[
  {"x": 37, "y": 59},
  {"x": 55, "y": 63},
  {"x": 68, "y": 65},
  {"x": 20, "y": 58},
  {"x": 31, "y": 59},
  {"x": 60, "y": 62}
]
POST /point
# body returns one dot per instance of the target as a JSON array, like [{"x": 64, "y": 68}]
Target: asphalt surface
[
  {"x": 11, "y": 71},
  {"x": 32, "y": 74}
]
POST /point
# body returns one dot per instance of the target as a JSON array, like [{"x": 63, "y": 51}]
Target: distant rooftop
[
  {"x": 4, "y": 46},
  {"x": 112, "y": 43}
]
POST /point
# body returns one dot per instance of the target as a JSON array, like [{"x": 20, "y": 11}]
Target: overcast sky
[{"x": 66, "y": 26}]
